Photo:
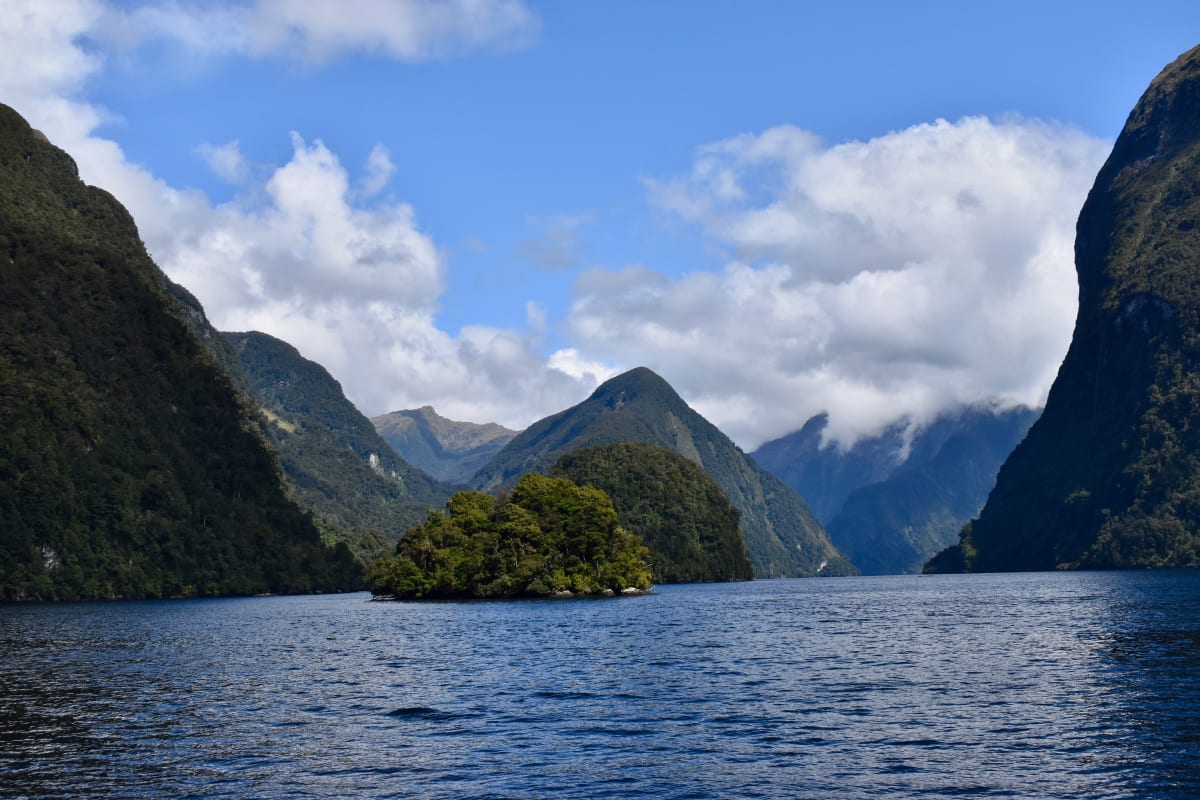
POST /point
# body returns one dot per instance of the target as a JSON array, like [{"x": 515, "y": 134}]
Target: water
[{"x": 1078, "y": 685}]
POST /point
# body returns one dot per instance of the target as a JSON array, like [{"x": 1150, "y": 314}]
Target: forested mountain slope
[
  {"x": 1110, "y": 474},
  {"x": 129, "y": 464},
  {"x": 784, "y": 538}
]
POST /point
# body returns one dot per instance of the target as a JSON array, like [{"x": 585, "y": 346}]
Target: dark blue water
[{"x": 1037, "y": 685}]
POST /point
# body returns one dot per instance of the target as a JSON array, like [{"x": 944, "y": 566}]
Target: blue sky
[{"x": 491, "y": 206}]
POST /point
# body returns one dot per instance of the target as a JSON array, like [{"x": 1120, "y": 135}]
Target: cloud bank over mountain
[{"x": 926, "y": 268}]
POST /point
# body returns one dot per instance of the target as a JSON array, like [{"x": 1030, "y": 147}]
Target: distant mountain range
[
  {"x": 449, "y": 451},
  {"x": 1110, "y": 474},
  {"x": 783, "y": 537},
  {"x": 335, "y": 465},
  {"x": 891, "y": 501}
]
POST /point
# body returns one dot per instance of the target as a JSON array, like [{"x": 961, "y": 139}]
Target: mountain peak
[
  {"x": 636, "y": 383},
  {"x": 448, "y": 450},
  {"x": 639, "y": 406}
]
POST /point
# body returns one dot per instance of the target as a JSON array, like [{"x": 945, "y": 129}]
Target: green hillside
[
  {"x": 784, "y": 538},
  {"x": 336, "y": 464},
  {"x": 681, "y": 513},
  {"x": 129, "y": 466}
]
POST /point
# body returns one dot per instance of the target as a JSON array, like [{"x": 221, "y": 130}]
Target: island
[{"x": 548, "y": 537}]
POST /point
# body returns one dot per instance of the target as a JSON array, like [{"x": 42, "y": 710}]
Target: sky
[{"x": 490, "y": 206}]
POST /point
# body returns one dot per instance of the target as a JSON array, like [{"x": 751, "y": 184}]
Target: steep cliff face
[
  {"x": 338, "y": 466},
  {"x": 1110, "y": 474},
  {"x": 129, "y": 464}
]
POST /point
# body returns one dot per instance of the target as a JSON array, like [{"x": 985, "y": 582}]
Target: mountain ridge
[
  {"x": 448, "y": 450},
  {"x": 130, "y": 466},
  {"x": 340, "y": 467},
  {"x": 639, "y": 406},
  {"x": 891, "y": 501}
]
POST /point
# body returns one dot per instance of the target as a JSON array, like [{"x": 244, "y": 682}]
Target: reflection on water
[{"x": 1049, "y": 685}]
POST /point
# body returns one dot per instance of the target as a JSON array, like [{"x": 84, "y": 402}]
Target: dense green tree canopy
[
  {"x": 682, "y": 515},
  {"x": 129, "y": 464},
  {"x": 548, "y": 536}
]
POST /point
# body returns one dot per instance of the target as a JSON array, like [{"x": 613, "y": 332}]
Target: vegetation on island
[
  {"x": 546, "y": 537},
  {"x": 686, "y": 521},
  {"x": 1109, "y": 477},
  {"x": 130, "y": 466}
]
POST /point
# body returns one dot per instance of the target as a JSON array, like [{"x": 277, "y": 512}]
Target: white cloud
[
  {"x": 317, "y": 32},
  {"x": 355, "y": 287},
  {"x": 226, "y": 161},
  {"x": 307, "y": 254},
  {"x": 875, "y": 280}
]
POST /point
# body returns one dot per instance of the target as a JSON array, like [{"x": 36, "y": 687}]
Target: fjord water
[{"x": 1026, "y": 685}]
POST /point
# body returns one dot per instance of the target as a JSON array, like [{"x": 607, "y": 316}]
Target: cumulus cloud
[
  {"x": 308, "y": 253},
  {"x": 317, "y": 32},
  {"x": 877, "y": 280},
  {"x": 880, "y": 280}
]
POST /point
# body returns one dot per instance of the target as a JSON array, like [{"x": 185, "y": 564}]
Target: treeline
[
  {"x": 687, "y": 522},
  {"x": 547, "y": 536}
]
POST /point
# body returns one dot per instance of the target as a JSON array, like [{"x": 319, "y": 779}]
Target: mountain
[
  {"x": 680, "y": 512},
  {"x": 891, "y": 501},
  {"x": 130, "y": 466},
  {"x": 449, "y": 451},
  {"x": 825, "y": 475},
  {"x": 896, "y": 525},
  {"x": 1110, "y": 474},
  {"x": 783, "y": 537},
  {"x": 338, "y": 465}
]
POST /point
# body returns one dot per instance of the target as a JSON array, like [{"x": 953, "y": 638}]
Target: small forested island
[{"x": 548, "y": 537}]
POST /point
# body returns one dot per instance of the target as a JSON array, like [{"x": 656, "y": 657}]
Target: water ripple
[{"x": 1060, "y": 686}]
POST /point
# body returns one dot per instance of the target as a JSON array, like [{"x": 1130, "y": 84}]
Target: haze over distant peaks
[
  {"x": 448, "y": 450},
  {"x": 891, "y": 501}
]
